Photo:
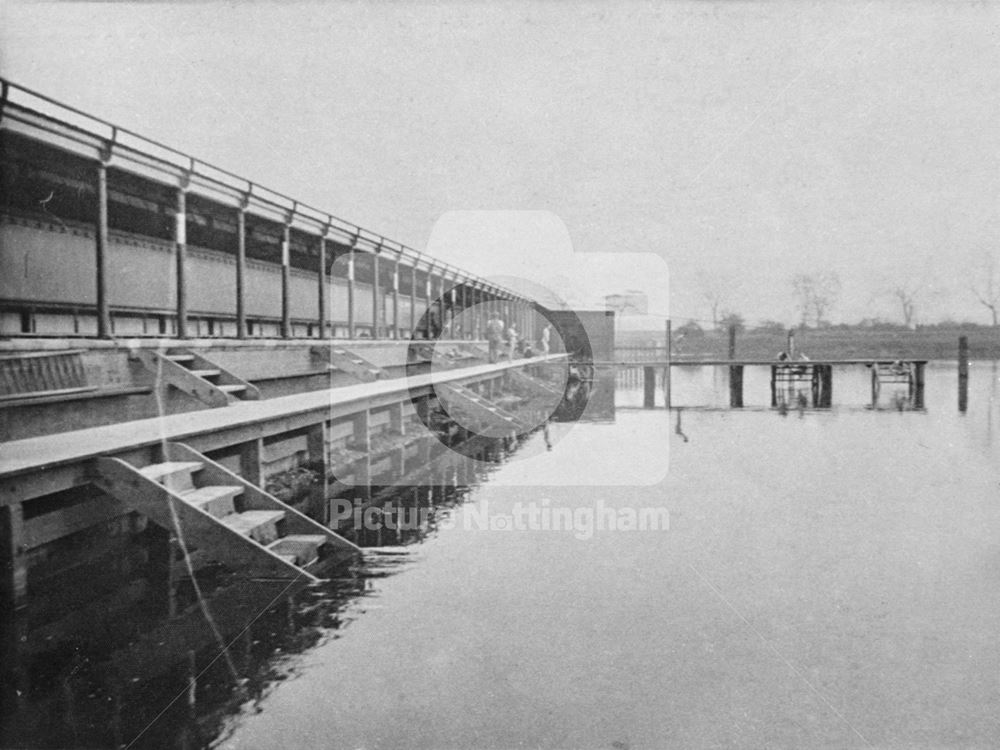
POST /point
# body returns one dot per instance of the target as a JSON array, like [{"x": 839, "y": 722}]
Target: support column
[
  {"x": 428, "y": 286},
  {"x": 413, "y": 300},
  {"x": 350, "y": 288},
  {"x": 251, "y": 461},
  {"x": 666, "y": 370},
  {"x": 316, "y": 446},
  {"x": 321, "y": 291},
  {"x": 918, "y": 385},
  {"x": 648, "y": 387},
  {"x": 377, "y": 306},
  {"x": 395, "y": 297},
  {"x": 180, "y": 256},
  {"x": 736, "y": 386},
  {"x": 286, "y": 276},
  {"x": 14, "y": 557},
  {"x": 101, "y": 251},
  {"x": 241, "y": 272}
]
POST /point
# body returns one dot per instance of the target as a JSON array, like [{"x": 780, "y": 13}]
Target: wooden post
[
  {"x": 101, "y": 252},
  {"x": 666, "y": 370},
  {"x": 350, "y": 290},
  {"x": 376, "y": 295},
  {"x": 649, "y": 387},
  {"x": 774, "y": 385},
  {"x": 241, "y": 272},
  {"x": 321, "y": 291},
  {"x": 395, "y": 298},
  {"x": 825, "y": 373},
  {"x": 736, "y": 385},
  {"x": 413, "y": 300},
  {"x": 963, "y": 373},
  {"x": 918, "y": 385},
  {"x": 875, "y": 385},
  {"x": 251, "y": 457},
  {"x": 14, "y": 587},
  {"x": 180, "y": 256},
  {"x": 286, "y": 277}
]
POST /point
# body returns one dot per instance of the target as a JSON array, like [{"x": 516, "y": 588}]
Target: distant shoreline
[{"x": 827, "y": 343}]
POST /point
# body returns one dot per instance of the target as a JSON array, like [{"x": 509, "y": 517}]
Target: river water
[{"x": 826, "y": 579}]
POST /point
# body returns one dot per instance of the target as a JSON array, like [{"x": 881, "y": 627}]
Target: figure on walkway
[
  {"x": 512, "y": 337},
  {"x": 546, "y": 337},
  {"x": 494, "y": 336}
]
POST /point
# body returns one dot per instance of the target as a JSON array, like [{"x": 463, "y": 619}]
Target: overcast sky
[{"x": 743, "y": 139}]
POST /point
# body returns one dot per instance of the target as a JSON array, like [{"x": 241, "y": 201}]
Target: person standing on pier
[
  {"x": 494, "y": 335},
  {"x": 511, "y": 342},
  {"x": 546, "y": 337}
]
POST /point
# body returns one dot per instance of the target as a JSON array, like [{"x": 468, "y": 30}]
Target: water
[{"x": 828, "y": 579}]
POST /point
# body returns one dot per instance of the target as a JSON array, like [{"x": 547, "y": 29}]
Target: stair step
[
  {"x": 175, "y": 475},
  {"x": 235, "y": 388},
  {"x": 216, "y": 500},
  {"x": 206, "y": 373},
  {"x": 180, "y": 358},
  {"x": 259, "y": 525},
  {"x": 302, "y": 548}
]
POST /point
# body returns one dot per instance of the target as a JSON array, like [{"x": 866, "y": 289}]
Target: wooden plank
[
  {"x": 219, "y": 428},
  {"x": 57, "y": 524}
]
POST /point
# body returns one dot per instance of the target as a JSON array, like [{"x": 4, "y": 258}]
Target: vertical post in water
[
  {"x": 963, "y": 373},
  {"x": 736, "y": 386},
  {"x": 13, "y": 557},
  {"x": 666, "y": 370},
  {"x": 774, "y": 386},
  {"x": 649, "y": 387},
  {"x": 180, "y": 255},
  {"x": 918, "y": 385},
  {"x": 101, "y": 249}
]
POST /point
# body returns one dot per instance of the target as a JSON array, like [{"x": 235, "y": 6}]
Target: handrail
[{"x": 192, "y": 163}]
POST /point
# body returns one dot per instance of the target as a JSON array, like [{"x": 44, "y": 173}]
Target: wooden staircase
[
  {"x": 222, "y": 514},
  {"x": 462, "y": 400},
  {"x": 197, "y": 376},
  {"x": 339, "y": 358}
]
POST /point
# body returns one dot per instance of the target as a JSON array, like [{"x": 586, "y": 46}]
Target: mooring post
[
  {"x": 826, "y": 385},
  {"x": 736, "y": 386},
  {"x": 918, "y": 385},
  {"x": 15, "y": 559},
  {"x": 666, "y": 370},
  {"x": 774, "y": 385},
  {"x": 875, "y": 385},
  {"x": 649, "y": 387},
  {"x": 963, "y": 373}
]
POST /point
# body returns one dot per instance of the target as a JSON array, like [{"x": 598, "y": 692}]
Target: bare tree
[
  {"x": 716, "y": 289},
  {"x": 816, "y": 295},
  {"x": 986, "y": 286}
]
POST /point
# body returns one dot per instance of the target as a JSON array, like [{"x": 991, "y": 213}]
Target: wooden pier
[{"x": 811, "y": 378}]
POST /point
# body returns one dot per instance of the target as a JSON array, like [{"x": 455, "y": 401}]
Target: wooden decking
[{"x": 57, "y": 461}]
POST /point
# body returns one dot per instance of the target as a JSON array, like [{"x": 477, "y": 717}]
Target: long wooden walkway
[{"x": 50, "y": 463}]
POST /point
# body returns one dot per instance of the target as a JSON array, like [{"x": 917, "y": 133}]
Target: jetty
[{"x": 179, "y": 341}]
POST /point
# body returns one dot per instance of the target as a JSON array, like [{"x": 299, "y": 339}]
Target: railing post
[
  {"x": 180, "y": 256},
  {"x": 413, "y": 299},
  {"x": 350, "y": 288},
  {"x": 321, "y": 291},
  {"x": 286, "y": 277},
  {"x": 241, "y": 270},
  {"x": 101, "y": 249},
  {"x": 395, "y": 296},
  {"x": 376, "y": 295},
  {"x": 666, "y": 370}
]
